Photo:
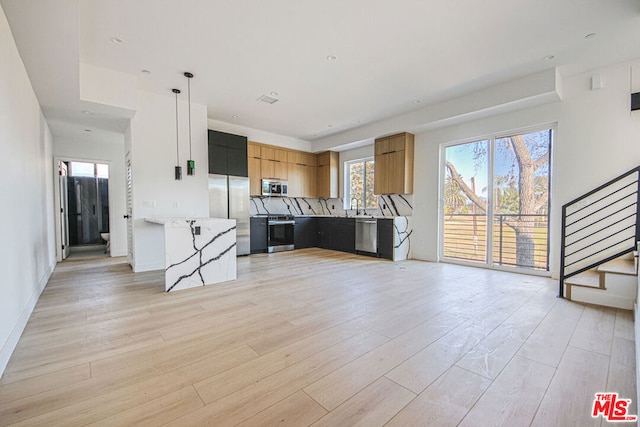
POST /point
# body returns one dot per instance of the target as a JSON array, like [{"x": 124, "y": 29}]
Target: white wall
[
  {"x": 152, "y": 137},
  {"x": 111, "y": 153},
  {"x": 27, "y": 255},
  {"x": 597, "y": 139}
]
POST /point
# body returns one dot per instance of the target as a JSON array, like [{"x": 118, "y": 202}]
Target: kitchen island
[{"x": 198, "y": 251}]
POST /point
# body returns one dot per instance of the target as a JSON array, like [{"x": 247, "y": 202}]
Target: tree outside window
[{"x": 360, "y": 184}]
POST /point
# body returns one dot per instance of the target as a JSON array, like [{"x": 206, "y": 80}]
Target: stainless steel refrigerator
[{"x": 229, "y": 198}]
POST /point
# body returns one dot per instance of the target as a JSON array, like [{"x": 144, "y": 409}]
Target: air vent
[{"x": 268, "y": 99}]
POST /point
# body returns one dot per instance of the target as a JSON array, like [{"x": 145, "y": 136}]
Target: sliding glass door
[{"x": 495, "y": 206}]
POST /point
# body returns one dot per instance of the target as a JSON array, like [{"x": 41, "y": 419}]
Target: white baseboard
[
  {"x": 10, "y": 345},
  {"x": 139, "y": 268}
]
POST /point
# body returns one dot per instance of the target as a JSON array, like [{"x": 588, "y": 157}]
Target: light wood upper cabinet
[
  {"x": 272, "y": 169},
  {"x": 295, "y": 178},
  {"x": 327, "y": 174},
  {"x": 272, "y": 153},
  {"x": 394, "y": 164},
  {"x": 302, "y": 177},
  {"x": 299, "y": 168},
  {"x": 253, "y": 150},
  {"x": 309, "y": 182},
  {"x": 273, "y": 161},
  {"x": 255, "y": 176}
]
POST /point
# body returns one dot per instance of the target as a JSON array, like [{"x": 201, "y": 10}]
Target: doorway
[
  {"x": 496, "y": 194},
  {"x": 87, "y": 201}
]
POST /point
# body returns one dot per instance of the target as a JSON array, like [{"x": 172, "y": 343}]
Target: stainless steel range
[{"x": 280, "y": 233}]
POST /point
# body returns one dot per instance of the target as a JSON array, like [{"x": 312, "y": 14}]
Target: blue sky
[{"x": 463, "y": 157}]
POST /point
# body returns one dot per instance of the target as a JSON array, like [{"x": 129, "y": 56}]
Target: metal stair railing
[{"x": 600, "y": 226}]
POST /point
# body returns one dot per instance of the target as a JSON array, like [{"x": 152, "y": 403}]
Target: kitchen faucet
[{"x": 357, "y": 205}]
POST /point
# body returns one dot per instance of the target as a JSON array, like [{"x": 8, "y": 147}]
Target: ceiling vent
[{"x": 268, "y": 99}]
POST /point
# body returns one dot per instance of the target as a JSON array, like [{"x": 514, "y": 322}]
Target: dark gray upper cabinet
[{"x": 227, "y": 154}]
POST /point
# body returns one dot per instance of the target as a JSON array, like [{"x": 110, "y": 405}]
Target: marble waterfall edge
[
  {"x": 198, "y": 252},
  {"x": 402, "y": 230}
]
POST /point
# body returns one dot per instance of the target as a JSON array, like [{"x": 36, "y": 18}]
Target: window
[
  {"x": 359, "y": 184},
  {"x": 88, "y": 170},
  {"x": 496, "y": 201},
  {"x": 82, "y": 169}
]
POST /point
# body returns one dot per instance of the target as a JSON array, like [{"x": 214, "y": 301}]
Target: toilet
[{"x": 105, "y": 237}]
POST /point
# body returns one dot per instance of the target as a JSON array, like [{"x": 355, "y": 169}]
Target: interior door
[{"x": 64, "y": 208}]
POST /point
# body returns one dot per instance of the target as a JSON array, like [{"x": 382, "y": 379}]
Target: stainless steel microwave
[{"x": 274, "y": 188}]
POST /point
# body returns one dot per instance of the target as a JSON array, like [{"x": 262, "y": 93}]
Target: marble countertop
[
  {"x": 163, "y": 221},
  {"x": 338, "y": 216}
]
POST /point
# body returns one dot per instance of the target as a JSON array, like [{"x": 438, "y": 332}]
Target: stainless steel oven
[{"x": 280, "y": 233}]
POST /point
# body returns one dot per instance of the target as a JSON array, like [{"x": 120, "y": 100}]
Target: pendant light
[
  {"x": 178, "y": 173},
  {"x": 191, "y": 164}
]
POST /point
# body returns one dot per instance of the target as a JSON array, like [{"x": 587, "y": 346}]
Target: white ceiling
[{"x": 389, "y": 55}]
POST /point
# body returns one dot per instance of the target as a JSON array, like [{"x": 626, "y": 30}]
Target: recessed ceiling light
[
  {"x": 590, "y": 36},
  {"x": 145, "y": 71},
  {"x": 331, "y": 58},
  {"x": 116, "y": 40},
  {"x": 273, "y": 93},
  {"x": 235, "y": 116},
  {"x": 88, "y": 112},
  {"x": 549, "y": 57}
]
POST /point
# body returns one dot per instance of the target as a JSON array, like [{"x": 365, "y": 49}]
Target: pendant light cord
[
  {"x": 177, "y": 91},
  {"x": 189, "y": 100}
]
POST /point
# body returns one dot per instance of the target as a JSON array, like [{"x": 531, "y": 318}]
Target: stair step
[
  {"x": 588, "y": 279},
  {"x": 619, "y": 266},
  {"x": 601, "y": 297}
]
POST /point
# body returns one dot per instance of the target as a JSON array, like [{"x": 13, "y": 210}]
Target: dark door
[
  {"x": 88, "y": 210},
  {"x": 324, "y": 234},
  {"x": 305, "y": 233},
  {"x": 258, "y": 235},
  {"x": 344, "y": 233},
  {"x": 385, "y": 238},
  {"x": 237, "y": 164},
  {"x": 227, "y": 154},
  {"x": 217, "y": 152}
]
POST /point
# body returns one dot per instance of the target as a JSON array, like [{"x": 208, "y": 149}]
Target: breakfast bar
[{"x": 198, "y": 251}]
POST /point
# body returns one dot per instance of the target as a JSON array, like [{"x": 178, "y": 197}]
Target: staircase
[
  {"x": 600, "y": 230},
  {"x": 612, "y": 284}
]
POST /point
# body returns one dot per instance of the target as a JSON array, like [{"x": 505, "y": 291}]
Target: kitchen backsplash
[{"x": 389, "y": 206}]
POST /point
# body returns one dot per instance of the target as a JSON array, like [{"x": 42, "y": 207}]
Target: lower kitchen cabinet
[
  {"x": 305, "y": 232},
  {"x": 337, "y": 233},
  {"x": 385, "y": 238},
  {"x": 258, "y": 234}
]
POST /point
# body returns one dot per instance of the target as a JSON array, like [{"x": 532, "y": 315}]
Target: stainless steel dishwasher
[{"x": 367, "y": 235}]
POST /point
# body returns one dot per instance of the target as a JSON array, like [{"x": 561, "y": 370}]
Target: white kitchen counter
[{"x": 198, "y": 251}]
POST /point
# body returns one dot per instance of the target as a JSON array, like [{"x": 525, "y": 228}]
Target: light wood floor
[{"x": 314, "y": 337}]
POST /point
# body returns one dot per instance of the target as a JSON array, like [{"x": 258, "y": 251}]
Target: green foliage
[
  {"x": 361, "y": 182},
  {"x": 454, "y": 198}
]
